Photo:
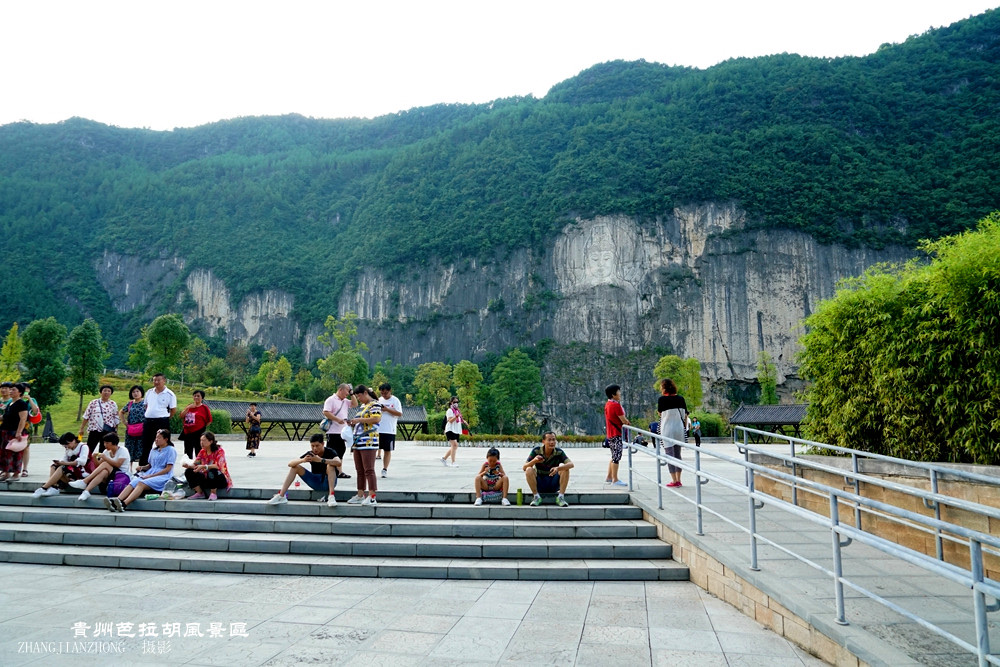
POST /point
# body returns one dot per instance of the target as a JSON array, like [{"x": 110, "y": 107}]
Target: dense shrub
[{"x": 905, "y": 361}]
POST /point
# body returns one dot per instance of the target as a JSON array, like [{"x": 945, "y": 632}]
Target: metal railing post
[
  {"x": 795, "y": 473},
  {"x": 838, "y": 568},
  {"x": 857, "y": 491},
  {"x": 979, "y": 601},
  {"x": 753, "y": 519},
  {"x": 630, "y": 467},
  {"x": 937, "y": 515},
  {"x": 659, "y": 474},
  {"x": 698, "y": 481}
]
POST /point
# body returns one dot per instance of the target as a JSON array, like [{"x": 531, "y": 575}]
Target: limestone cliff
[{"x": 611, "y": 293}]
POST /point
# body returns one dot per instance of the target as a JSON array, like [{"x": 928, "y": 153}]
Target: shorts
[
  {"x": 451, "y": 436},
  {"x": 315, "y": 481},
  {"x": 336, "y": 443},
  {"x": 492, "y": 483},
  {"x": 547, "y": 484},
  {"x": 387, "y": 442}
]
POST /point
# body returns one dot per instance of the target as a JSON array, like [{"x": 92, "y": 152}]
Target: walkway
[{"x": 321, "y": 620}]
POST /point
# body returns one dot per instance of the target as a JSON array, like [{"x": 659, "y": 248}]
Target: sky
[{"x": 183, "y": 63}]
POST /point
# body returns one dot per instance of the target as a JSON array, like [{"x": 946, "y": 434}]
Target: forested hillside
[{"x": 896, "y": 146}]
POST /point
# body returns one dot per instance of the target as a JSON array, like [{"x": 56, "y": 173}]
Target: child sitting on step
[{"x": 491, "y": 480}]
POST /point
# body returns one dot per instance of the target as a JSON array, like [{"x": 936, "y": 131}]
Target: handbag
[
  {"x": 18, "y": 444},
  {"x": 134, "y": 430}
]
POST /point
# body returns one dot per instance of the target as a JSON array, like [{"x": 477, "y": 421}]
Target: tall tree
[
  {"x": 686, "y": 374},
  {"x": 433, "y": 385},
  {"x": 468, "y": 380},
  {"x": 767, "y": 376},
  {"x": 44, "y": 351},
  {"x": 167, "y": 336},
  {"x": 10, "y": 356},
  {"x": 517, "y": 383},
  {"x": 345, "y": 362},
  {"x": 87, "y": 350}
]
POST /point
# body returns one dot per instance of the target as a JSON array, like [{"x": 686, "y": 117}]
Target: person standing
[
  {"x": 365, "y": 445},
  {"x": 392, "y": 410},
  {"x": 100, "y": 417},
  {"x": 133, "y": 414},
  {"x": 13, "y": 425},
  {"x": 161, "y": 404},
  {"x": 336, "y": 409},
  {"x": 34, "y": 418},
  {"x": 614, "y": 419},
  {"x": 254, "y": 418},
  {"x": 196, "y": 418},
  {"x": 673, "y": 418},
  {"x": 696, "y": 431},
  {"x": 452, "y": 431}
]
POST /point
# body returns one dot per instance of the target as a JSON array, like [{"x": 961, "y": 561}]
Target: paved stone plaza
[{"x": 270, "y": 620}]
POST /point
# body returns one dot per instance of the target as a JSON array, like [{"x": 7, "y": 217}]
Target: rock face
[
  {"x": 134, "y": 282},
  {"x": 263, "y": 318},
  {"x": 612, "y": 294},
  {"x": 697, "y": 284}
]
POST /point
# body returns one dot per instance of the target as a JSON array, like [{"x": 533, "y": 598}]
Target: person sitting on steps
[
  {"x": 323, "y": 465},
  {"x": 491, "y": 478},
  {"x": 547, "y": 471}
]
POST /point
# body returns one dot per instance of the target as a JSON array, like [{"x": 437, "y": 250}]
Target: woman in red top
[
  {"x": 614, "y": 419},
  {"x": 196, "y": 418},
  {"x": 209, "y": 471}
]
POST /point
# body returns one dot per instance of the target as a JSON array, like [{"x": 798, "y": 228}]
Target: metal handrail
[{"x": 842, "y": 535}]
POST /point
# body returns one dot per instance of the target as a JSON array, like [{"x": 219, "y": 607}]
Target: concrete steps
[{"x": 418, "y": 535}]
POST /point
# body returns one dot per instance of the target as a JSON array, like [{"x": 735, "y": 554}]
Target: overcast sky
[{"x": 156, "y": 64}]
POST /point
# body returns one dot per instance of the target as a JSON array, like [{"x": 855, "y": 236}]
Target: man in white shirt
[
  {"x": 161, "y": 404},
  {"x": 392, "y": 410},
  {"x": 336, "y": 409}
]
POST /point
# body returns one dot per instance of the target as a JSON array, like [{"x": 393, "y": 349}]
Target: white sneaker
[
  {"x": 356, "y": 500},
  {"x": 322, "y": 499},
  {"x": 39, "y": 492},
  {"x": 331, "y": 501},
  {"x": 278, "y": 499},
  {"x": 79, "y": 484},
  {"x": 504, "y": 501},
  {"x": 479, "y": 501},
  {"x": 84, "y": 495},
  {"x": 51, "y": 491},
  {"x": 444, "y": 462},
  {"x": 369, "y": 500},
  {"x": 385, "y": 473},
  {"x": 452, "y": 465}
]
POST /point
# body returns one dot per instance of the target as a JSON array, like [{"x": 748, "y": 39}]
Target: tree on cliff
[
  {"x": 87, "y": 350},
  {"x": 44, "y": 350},
  {"x": 10, "y": 356},
  {"x": 517, "y": 384},
  {"x": 686, "y": 374},
  {"x": 905, "y": 361}
]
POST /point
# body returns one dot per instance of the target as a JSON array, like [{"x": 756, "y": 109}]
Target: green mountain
[{"x": 889, "y": 148}]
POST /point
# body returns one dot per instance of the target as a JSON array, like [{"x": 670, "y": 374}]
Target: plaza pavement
[{"x": 50, "y": 615}]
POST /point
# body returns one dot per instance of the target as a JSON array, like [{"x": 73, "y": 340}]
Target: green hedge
[{"x": 712, "y": 425}]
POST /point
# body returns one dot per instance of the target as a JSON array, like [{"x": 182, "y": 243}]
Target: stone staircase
[{"x": 600, "y": 536}]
